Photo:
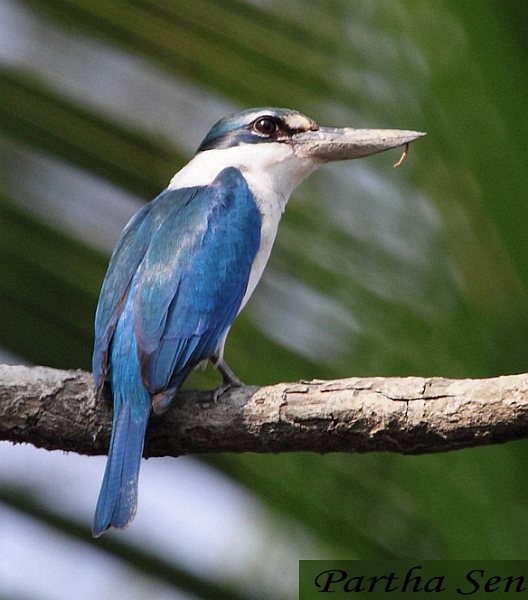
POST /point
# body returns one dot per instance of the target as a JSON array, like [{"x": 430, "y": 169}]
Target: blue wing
[
  {"x": 128, "y": 253},
  {"x": 190, "y": 285},
  {"x": 190, "y": 253}
]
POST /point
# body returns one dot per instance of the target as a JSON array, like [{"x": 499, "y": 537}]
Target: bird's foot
[
  {"x": 221, "y": 390},
  {"x": 230, "y": 380}
]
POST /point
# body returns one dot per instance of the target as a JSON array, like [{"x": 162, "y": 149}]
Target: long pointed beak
[{"x": 344, "y": 143}]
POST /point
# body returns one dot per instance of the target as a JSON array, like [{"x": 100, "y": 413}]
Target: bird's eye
[{"x": 265, "y": 125}]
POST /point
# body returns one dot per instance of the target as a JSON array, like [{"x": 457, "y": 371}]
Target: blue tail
[{"x": 117, "y": 501}]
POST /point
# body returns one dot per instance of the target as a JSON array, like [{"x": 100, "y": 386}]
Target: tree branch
[{"x": 56, "y": 409}]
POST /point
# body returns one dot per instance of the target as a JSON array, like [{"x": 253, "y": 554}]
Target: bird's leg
[
  {"x": 230, "y": 380},
  {"x": 227, "y": 374}
]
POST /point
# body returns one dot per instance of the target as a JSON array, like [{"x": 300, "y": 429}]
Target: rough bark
[{"x": 56, "y": 409}]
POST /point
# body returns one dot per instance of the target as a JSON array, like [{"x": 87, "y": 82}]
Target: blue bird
[{"x": 187, "y": 263}]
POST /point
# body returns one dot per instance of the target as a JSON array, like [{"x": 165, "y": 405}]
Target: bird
[{"x": 187, "y": 263}]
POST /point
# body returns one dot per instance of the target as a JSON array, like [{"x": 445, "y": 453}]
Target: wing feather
[
  {"x": 194, "y": 277},
  {"x": 126, "y": 257},
  {"x": 190, "y": 252}
]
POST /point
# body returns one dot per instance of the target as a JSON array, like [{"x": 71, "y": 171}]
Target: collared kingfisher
[{"x": 187, "y": 263}]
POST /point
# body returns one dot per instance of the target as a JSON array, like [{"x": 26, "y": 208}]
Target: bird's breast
[{"x": 268, "y": 232}]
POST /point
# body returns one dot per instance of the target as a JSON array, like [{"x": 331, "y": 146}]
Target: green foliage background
[{"x": 423, "y": 270}]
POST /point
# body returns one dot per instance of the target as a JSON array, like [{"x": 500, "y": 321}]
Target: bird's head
[
  {"x": 257, "y": 126},
  {"x": 283, "y": 127},
  {"x": 279, "y": 147}
]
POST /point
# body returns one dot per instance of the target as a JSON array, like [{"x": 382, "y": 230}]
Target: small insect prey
[{"x": 403, "y": 157}]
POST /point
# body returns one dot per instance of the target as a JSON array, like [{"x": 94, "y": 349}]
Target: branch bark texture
[{"x": 56, "y": 409}]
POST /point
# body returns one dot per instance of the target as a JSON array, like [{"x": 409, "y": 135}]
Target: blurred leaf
[
  {"x": 48, "y": 284},
  {"x": 144, "y": 562},
  {"x": 35, "y": 115}
]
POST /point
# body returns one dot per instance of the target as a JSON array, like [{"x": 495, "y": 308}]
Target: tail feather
[{"x": 117, "y": 501}]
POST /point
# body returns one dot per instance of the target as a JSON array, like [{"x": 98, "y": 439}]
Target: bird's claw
[{"x": 222, "y": 389}]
